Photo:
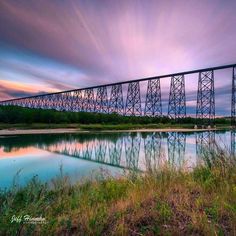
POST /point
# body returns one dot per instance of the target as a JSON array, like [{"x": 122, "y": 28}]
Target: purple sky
[{"x": 48, "y": 46}]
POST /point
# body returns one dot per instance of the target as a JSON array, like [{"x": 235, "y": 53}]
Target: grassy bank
[{"x": 161, "y": 202}]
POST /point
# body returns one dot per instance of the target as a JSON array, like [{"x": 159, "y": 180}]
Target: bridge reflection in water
[
  {"x": 153, "y": 151},
  {"x": 83, "y": 154},
  {"x": 176, "y": 148},
  {"x": 138, "y": 151},
  {"x": 120, "y": 151},
  {"x": 233, "y": 143}
]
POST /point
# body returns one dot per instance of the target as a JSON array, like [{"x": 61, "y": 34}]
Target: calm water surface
[{"x": 82, "y": 155}]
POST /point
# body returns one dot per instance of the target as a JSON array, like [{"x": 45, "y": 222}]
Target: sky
[{"x": 49, "y": 46}]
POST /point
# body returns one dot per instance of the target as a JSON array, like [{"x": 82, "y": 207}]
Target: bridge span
[{"x": 109, "y": 98}]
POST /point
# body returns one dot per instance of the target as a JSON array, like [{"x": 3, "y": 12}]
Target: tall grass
[{"x": 164, "y": 201}]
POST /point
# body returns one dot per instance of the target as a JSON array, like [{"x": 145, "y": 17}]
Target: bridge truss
[{"x": 109, "y": 98}]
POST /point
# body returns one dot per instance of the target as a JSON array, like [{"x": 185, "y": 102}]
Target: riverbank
[
  {"x": 164, "y": 201},
  {"x": 20, "y": 131},
  {"x": 7, "y": 132}
]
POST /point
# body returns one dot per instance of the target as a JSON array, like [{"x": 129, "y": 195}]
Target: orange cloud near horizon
[{"x": 19, "y": 87}]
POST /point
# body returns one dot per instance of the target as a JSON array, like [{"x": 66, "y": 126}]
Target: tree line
[{"x": 15, "y": 114}]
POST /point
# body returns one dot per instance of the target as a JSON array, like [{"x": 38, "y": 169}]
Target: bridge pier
[
  {"x": 50, "y": 102},
  {"x": 233, "y": 143},
  {"x": 205, "y": 141},
  {"x": 133, "y": 101},
  {"x": 88, "y": 100},
  {"x": 115, "y": 151},
  {"x": 177, "y": 99},
  {"x": 67, "y": 101},
  {"x": 176, "y": 148},
  {"x": 205, "y": 112},
  {"x": 100, "y": 151},
  {"x": 132, "y": 148},
  {"x": 233, "y": 101},
  {"x": 77, "y": 101},
  {"x": 116, "y": 104},
  {"x": 87, "y": 152},
  {"x": 37, "y": 103},
  {"x": 101, "y": 103},
  {"x": 153, "y": 105},
  {"x": 58, "y": 102},
  {"x": 152, "y": 150}
]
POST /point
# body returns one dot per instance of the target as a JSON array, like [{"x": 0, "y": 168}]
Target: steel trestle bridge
[{"x": 97, "y": 99}]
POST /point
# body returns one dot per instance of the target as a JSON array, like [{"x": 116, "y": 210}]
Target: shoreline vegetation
[
  {"x": 161, "y": 201},
  {"x": 17, "y": 118}
]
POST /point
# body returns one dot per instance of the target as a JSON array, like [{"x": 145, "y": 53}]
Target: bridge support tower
[
  {"x": 153, "y": 105},
  {"x": 101, "y": 103},
  {"x": 177, "y": 100},
  {"x": 133, "y": 101},
  {"x": 205, "y": 112},
  {"x": 233, "y": 101},
  {"x": 116, "y": 104}
]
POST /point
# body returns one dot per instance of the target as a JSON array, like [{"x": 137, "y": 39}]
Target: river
[{"x": 85, "y": 155}]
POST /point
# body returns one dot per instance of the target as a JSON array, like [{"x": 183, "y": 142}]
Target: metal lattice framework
[
  {"x": 116, "y": 100},
  {"x": 205, "y": 141},
  {"x": 100, "y": 151},
  {"x": 233, "y": 143},
  {"x": 206, "y": 97},
  {"x": 127, "y": 150},
  {"x": 152, "y": 149},
  {"x": 101, "y": 103},
  {"x": 77, "y": 101},
  {"x": 153, "y": 98},
  {"x": 177, "y": 100},
  {"x": 67, "y": 99},
  {"x": 132, "y": 148},
  {"x": 88, "y": 101},
  {"x": 115, "y": 150},
  {"x": 133, "y": 101},
  {"x": 176, "y": 148},
  {"x": 87, "y": 150},
  {"x": 84, "y": 99},
  {"x": 233, "y": 103}
]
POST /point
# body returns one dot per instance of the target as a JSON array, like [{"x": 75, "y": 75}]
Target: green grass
[{"x": 166, "y": 201}]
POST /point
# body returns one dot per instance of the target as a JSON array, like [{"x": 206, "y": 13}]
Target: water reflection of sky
[
  {"x": 30, "y": 162},
  {"x": 82, "y": 154}
]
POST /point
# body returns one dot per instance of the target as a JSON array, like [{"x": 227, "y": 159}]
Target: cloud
[{"x": 9, "y": 89}]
